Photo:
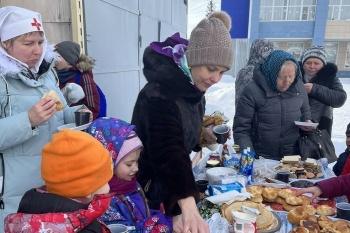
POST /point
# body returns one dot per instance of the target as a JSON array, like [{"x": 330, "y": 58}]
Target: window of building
[
  {"x": 339, "y": 10},
  {"x": 282, "y": 10},
  {"x": 295, "y": 48},
  {"x": 332, "y": 51},
  {"x": 347, "y": 58},
  {"x": 276, "y": 44}
]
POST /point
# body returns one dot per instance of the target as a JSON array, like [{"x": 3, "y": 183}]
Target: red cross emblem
[{"x": 36, "y": 24}]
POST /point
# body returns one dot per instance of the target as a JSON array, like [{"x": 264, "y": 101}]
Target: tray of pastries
[
  {"x": 285, "y": 199},
  {"x": 300, "y": 221},
  {"x": 309, "y": 169},
  {"x": 266, "y": 222}
]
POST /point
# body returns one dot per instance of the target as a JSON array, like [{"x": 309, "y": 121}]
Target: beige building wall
[{"x": 57, "y": 17}]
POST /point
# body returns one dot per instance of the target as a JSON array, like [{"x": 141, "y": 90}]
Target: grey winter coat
[
  {"x": 21, "y": 144},
  {"x": 327, "y": 93},
  {"x": 264, "y": 120}
]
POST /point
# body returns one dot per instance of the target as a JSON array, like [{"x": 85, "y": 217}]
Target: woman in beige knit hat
[{"x": 169, "y": 111}]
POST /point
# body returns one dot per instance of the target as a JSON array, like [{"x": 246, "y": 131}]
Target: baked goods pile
[
  {"x": 54, "y": 96},
  {"x": 265, "y": 220},
  {"x": 312, "y": 224},
  {"x": 308, "y": 169}
]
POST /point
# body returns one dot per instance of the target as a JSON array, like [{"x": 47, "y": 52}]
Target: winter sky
[{"x": 197, "y": 10}]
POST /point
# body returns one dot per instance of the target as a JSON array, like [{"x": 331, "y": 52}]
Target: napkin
[{"x": 229, "y": 197}]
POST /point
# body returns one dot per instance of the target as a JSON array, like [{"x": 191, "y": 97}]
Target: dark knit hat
[
  {"x": 315, "y": 52},
  {"x": 210, "y": 42},
  {"x": 347, "y": 129},
  {"x": 271, "y": 67},
  {"x": 69, "y": 50}
]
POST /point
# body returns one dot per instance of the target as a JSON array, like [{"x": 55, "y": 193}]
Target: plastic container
[
  {"x": 218, "y": 175},
  {"x": 244, "y": 222}
]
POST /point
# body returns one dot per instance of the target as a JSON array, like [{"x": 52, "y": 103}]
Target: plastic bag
[{"x": 218, "y": 224}]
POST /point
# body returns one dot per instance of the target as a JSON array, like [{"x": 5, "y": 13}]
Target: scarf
[
  {"x": 124, "y": 187},
  {"x": 65, "y": 75}
]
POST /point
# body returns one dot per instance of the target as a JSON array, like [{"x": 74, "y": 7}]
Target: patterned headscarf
[
  {"x": 272, "y": 67},
  {"x": 112, "y": 133}
]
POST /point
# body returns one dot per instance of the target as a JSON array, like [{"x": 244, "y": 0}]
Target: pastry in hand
[{"x": 54, "y": 96}]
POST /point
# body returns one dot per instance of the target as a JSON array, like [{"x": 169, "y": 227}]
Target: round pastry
[
  {"x": 325, "y": 210},
  {"x": 279, "y": 200},
  {"x": 269, "y": 194},
  {"x": 306, "y": 200},
  {"x": 310, "y": 225},
  {"x": 341, "y": 223},
  {"x": 343, "y": 229},
  {"x": 294, "y": 200},
  {"x": 312, "y": 218},
  {"x": 288, "y": 207},
  {"x": 256, "y": 198},
  {"x": 264, "y": 219},
  {"x": 284, "y": 193},
  {"x": 329, "y": 230},
  {"x": 297, "y": 214},
  {"x": 325, "y": 222},
  {"x": 310, "y": 210},
  {"x": 310, "y": 175},
  {"x": 299, "y": 230},
  {"x": 253, "y": 189}
]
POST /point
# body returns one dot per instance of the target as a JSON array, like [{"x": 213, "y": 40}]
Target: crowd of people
[{"x": 139, "y": 173}]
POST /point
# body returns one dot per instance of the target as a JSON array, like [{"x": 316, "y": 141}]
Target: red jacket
[
  {"x": 47, "y": 212},
  {"x": 335, "y": 186}
]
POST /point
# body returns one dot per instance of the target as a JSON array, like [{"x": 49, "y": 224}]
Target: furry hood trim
[{"x": 85, "y": 63}]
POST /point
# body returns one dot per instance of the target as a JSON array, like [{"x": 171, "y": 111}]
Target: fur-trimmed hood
[
  {"x": 85, "y": 63},
  {"x": 9, "y": 65}
]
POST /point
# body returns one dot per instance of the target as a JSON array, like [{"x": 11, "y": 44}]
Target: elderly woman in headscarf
[{"x": 268, "y": 107}]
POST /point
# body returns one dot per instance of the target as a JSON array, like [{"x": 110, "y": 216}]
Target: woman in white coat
[{"x": 27, "y": 121}]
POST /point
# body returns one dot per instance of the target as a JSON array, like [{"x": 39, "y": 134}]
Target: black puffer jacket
[
  {"x": 168, "y": 115},
  {"x": 264, "y": 120},
  {"x": 327, "y": 93}
]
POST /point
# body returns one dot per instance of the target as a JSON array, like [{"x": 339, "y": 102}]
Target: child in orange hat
[
  {"x": 76, "y": 169},
  {"x": 128, "y": 205}
]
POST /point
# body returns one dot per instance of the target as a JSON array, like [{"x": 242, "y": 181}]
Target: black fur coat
[{"x": 168, "y": 115}]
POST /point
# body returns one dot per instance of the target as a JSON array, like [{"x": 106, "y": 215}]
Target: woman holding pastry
[{"x": 27, "y": 119}]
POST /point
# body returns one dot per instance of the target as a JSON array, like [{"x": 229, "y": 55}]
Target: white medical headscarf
[{"x": 16, "y": 21}]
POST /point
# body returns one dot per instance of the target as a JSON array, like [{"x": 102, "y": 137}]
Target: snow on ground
[{"x": 221, "y": 96}]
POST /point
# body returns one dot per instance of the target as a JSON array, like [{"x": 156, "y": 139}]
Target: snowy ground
[{"x": 221, "y": 96}]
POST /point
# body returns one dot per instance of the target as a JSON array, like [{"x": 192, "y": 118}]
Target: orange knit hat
[{"x": 74, "y": 164}]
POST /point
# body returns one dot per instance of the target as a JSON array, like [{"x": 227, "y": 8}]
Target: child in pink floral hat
[{"x": 128, "y": 205}]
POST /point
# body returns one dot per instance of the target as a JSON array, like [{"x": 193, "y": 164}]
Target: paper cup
[
  {"x": 221, "y": 132},
  {"x": 82, "y": 118}
]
